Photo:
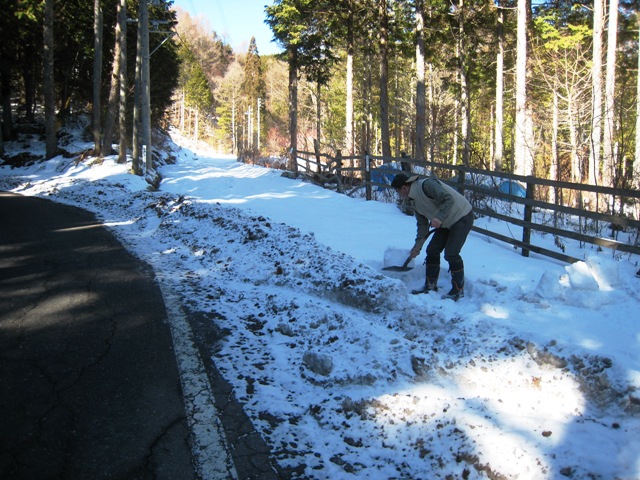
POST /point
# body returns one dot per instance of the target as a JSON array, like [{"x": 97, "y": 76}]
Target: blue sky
[{"x": 236, "y": 21}]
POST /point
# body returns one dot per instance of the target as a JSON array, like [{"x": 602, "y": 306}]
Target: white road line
[{"x": 210, "y": 451}]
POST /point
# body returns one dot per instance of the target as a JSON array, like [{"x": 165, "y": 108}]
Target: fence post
[
  {"x": 528, "y": 211},
  {"x": 293, "y": 160},
  {"x": 316, "y": 150},
  {"x": 339, "y": 169},
  {"x": 462, "y": 177},
  {"x": 367, "y": 175},
  {"x": 405, "y": 166}
]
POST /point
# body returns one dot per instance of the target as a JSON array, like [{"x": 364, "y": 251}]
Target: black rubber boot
[
  {"x": 457, "y": 282},
  {"x": 431, "y": 280}
]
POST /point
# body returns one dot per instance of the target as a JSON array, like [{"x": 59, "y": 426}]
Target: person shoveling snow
[{"x": 438, "y": 205}]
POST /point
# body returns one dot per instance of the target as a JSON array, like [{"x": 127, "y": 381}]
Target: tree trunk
[
  {"x": 576, "y": 170},
  {"x": 145, "y": 86},
  {"x": 318, "y": 111},
  {"x": 596, "y": 76},
  {"x": 97, "y": 75},
  {"x": 122, "y": 118},
  {"x": 609, "y": 160},
  {"x": 7, "y": 117},
  {"x": 384, "y": 79},
  {"x": 456, "y": 132},
  {"x": 112, "y": 107},
  {"x": 636, "y": 161},
  {"x": 49, "y": 86},
  {"x": 29, "y": 76},
  {"x": 554, "y": 167},
  {"x": 499, "y": 114},
  {"x": 367, "y": 124},
  {"x": 293, "y": 108},
  {"x": 250, "y": 129},
  {"x": 420, "y": 82},
  {"x": 1, "y": 142},
  {"x": 397, "y": 120},
  {"x": 465, "y": 111},
  {"x": 348, "y": 134},
  {"x": 196, "y": 129},
  {"x": 258, "y": 116},
  {"x": 234, "y": 133},
  {"x": 136, "y": 162},
  {"x": 522, "y": 164},
  {"x": 433, "y": 113}
]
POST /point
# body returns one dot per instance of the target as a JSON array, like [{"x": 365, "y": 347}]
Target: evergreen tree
[
  {"x": 194, "y": 84},
  {"x": 253, "y": 90},
  {"x": 253, "y": 83},
  {"x": 204, "y": 55},
  {"x": 229, "y": 104},
  {"x": 288, "y": 20}
]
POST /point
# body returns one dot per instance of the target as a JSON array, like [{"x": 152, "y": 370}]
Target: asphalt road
[
  {"x": 92, "y": 384},
  {"x": 89, "y": 386}
]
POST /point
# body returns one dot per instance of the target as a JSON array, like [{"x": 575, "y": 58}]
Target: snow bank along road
[{"x": 343, "y": 373}]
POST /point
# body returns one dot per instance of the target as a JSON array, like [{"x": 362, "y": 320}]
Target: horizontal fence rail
[{"x": 590, "y": 208}]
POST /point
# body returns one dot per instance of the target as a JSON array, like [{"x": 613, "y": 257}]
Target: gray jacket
[{"x": 432, "y": 198}]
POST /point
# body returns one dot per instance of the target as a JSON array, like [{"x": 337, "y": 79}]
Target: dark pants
[{"x": 451, "y": 241}]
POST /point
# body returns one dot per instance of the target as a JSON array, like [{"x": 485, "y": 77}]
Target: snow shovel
[
  {"x": 400, "y": 268},
  {"x": 405, "y": 266}
]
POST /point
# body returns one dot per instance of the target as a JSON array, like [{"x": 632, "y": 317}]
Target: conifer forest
[{"x": 542, "y": 88}]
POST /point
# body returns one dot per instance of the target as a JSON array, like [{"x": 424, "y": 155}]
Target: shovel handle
[{"x": 429, "y": 233}]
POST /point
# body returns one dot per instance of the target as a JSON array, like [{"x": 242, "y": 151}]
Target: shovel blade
[
  {"x": 405, "y": 267},
  {"x": 398, "y": 268}
]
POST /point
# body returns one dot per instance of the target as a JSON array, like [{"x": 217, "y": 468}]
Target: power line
[{"x": 223, "y": 19}]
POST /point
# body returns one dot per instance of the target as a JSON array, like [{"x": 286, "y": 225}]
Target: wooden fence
[{"x": 577, "y": 204}]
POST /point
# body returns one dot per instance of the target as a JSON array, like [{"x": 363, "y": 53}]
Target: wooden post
[
  {"x": 528, "y": 211},
  {"x": 293, "y": 160},
  {"x": 339, "y": 170},
  {"x": 462, "y": 177},
  {"x": 316, "y": 150},
  {"x": 367, "y": 176},
  {"x": 405, "y": 164}
]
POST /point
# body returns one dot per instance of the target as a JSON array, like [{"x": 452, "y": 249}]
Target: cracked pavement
[{"x": 89, "y": 386}]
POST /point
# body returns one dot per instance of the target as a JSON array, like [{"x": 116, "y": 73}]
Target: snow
[{"x": 533, "y": 375}]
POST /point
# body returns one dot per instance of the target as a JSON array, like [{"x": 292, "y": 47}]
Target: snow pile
[{"x": 534, "y": 374}]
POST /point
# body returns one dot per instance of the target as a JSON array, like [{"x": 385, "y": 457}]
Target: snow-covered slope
[{"x": 534, "y": 374}]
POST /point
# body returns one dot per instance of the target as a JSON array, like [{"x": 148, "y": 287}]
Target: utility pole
[{"x": 142, "y": 106}]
